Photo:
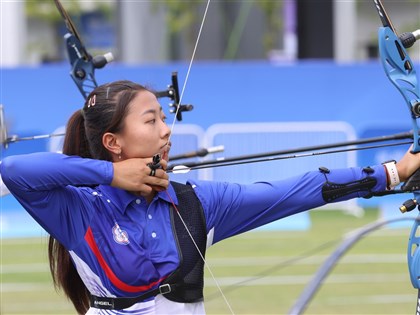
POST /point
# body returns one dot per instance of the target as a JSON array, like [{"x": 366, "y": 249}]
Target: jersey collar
[{"x": 122, "y": 198}]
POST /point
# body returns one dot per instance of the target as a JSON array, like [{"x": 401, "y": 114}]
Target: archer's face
[{"x": 145, "y": 132}]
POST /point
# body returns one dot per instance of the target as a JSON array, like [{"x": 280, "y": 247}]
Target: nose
[{"x": 166, "y": 131}]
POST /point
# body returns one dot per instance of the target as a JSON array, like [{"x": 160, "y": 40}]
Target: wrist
[{"x": 392, "y": 176}]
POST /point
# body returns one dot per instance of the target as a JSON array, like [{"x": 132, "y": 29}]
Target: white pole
[
  {"x": 12, "y": 33},
  {"x": 142, "y": 32},
  {"x": 345, "y": 30}
]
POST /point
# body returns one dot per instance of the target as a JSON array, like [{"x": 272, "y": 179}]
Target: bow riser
[
  {"x": 399, "y": 69},
  {"x": 83, "y": 71}
]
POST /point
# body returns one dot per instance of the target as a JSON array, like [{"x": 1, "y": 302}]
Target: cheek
[
  {"x": 140, "y": 139},
  {"x": 138, "y": 142}
]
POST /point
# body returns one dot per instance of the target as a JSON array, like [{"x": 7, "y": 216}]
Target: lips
[{"x": 165, "y": 150}]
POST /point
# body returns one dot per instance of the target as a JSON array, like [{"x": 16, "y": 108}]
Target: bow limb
[
  {"x": 83, "y": 65},
  {"x": 401, "y": 72}
]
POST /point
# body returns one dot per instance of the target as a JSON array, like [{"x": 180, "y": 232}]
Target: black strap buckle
[{"x": 165, "y": 288}]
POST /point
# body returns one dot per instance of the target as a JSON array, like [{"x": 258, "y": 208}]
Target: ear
[{"x": 111, "y": 142}]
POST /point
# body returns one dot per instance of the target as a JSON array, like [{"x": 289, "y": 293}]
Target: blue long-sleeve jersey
[{"x": 123, "y": 246}]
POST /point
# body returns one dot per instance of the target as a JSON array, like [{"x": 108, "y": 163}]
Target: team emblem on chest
[{"x": 120, "y": 236}]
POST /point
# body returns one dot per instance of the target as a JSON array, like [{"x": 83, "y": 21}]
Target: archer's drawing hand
[
  {"x": 135, "y": 175},
  {"x": 408, "y": 164}
]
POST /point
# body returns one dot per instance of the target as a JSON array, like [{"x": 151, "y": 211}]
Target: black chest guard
[
  {"x": 185, "y": 284},
  {"x": 189, "y": 277}
]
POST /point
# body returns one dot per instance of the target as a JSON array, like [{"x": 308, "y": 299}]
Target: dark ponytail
[
  {"x": 104, "y": 111},
  {"x": 65, "y": 276},
  {"x": 75, "y": 142},
  {"x": 63, "y": 272}
]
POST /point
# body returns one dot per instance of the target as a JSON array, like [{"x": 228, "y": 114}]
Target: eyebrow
[{"x": 153, "y": 111}]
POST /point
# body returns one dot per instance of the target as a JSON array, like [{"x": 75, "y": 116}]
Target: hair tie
[{"x": 92, "y": 101}]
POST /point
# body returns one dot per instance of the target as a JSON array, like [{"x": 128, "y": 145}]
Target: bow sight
[{"x": 173, "y": 93}]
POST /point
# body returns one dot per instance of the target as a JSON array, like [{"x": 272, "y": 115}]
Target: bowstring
[
  {"x": 201, "y": 255},
  {"x": 170, "y": 135},
  {"x": 189, "y": 67}
]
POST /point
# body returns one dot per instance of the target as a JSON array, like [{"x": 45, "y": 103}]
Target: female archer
[{"x": 126, "y": 240}]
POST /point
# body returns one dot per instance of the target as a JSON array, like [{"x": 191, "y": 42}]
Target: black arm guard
[{"x": 332, "y": 191}]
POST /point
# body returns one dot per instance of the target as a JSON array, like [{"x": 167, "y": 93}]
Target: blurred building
[{"x": 140, "y": 32}]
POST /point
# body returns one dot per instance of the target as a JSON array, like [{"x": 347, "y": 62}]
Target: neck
[{"x": 148, "y": 197}]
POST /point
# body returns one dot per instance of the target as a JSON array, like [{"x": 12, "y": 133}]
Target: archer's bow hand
[{"x": 408, "y": 165}]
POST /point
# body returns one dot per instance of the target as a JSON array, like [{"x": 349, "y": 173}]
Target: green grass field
[{"x": 259, "y": 272}]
